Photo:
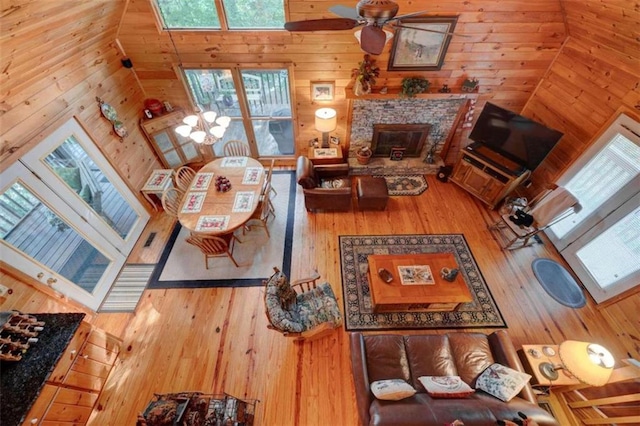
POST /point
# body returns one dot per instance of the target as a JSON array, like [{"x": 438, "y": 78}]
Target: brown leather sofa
[
  {"x": 396, "y": 356},
  {"x": 325, "y": 187}
]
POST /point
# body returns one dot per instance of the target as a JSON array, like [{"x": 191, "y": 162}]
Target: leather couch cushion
[
  {"x": 471, "y": 354},
  {"x": 429, "y": 356},
  {"x": 386, "y": 358}
]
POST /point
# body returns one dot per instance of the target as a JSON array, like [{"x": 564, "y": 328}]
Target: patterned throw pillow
[
  {"x": 502, "y": 382},
  {"x": 445, "y": 386},
  {"x": 392, "y": 389}
]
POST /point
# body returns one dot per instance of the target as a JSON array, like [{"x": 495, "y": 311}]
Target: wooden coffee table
[{"x": 442, "y": 295}]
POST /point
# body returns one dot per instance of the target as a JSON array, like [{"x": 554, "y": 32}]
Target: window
[
  {"x": 257, "y": 100},
  {"x": 205, "y": 14}
]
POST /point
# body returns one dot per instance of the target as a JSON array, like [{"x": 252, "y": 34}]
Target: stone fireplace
[
  {"x": 433, "y": 117},
  {"x": 410, "y": 138}
]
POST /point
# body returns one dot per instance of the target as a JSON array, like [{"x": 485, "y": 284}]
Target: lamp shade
[
  {"x": 326, "y": 120},
  {"x": 588, "y": 362}
]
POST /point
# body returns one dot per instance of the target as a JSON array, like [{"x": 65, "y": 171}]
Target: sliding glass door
[
  {"x": 66, "y": 218},
  {"x": 258, "y": 101},
  {"x": 602, "y": 241}
]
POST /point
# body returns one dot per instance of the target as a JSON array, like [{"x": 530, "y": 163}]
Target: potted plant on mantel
[
  {"x": 411, "y": 86},
  {"x": 365, "y": 76},
  {"x": 363, "y": 155}
]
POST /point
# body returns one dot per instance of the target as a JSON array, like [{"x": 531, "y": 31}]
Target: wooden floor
[{"x": 215, "y": 340}]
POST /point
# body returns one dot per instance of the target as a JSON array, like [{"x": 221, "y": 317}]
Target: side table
[
  {"x": 158, "y": 182},
  {"x": 534, "y": 360},
  {"x": 320, "y": 156}
]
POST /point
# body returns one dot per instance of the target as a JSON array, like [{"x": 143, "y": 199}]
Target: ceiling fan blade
[
  {"x": 345, "y": 11},
  {"x": 373, "y": 39},
  {"x": 428, "y": 30},
  {"x": 322, "y": 24},
  {"x": 409, "y": 15}
]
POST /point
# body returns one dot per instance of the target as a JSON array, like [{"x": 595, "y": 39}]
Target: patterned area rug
[
  {"x": 406, "y": 184},
  {"x": 354, "y": 249}
]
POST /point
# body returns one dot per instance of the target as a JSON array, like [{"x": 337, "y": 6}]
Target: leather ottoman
[{"x": 372, "y": 193}]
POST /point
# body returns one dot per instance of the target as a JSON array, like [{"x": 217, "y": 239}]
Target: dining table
[{"x": 207, "y": 209}]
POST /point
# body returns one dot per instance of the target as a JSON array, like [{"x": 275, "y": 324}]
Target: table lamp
[
  {"x": 326, "y": 121},
  {"x": 590, "y": 363}
]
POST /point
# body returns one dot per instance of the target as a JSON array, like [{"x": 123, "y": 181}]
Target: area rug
[
  {"x": 182, "y": 265},
  {"x": 354, "y": 249},
  {"x": 558, "y": 283},
  {"x": 406, "y": 184}
]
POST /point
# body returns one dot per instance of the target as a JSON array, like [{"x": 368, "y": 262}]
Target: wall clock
[{"x": 110, "y": 114}]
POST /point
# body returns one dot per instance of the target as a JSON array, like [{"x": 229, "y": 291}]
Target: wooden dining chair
[
  {"x": 235, "y": 148},
  {"x": 214, "y": 246},
  {"x": 268, "y": 174},
  {"x": 183, "y": 177},
  {"x": 261, "y": 216},
  {"x": 172, "y": 200}
]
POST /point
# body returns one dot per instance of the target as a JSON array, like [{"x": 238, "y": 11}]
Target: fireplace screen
[{"x": 411, "y": 137}]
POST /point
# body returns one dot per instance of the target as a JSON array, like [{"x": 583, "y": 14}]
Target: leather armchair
[{"x": 326, "y": 187}]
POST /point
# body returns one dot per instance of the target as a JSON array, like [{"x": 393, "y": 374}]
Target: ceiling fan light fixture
[{"x": 358, "y": 36}]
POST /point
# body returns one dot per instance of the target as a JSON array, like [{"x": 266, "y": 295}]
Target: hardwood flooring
[{"x": 216, "y": 340}]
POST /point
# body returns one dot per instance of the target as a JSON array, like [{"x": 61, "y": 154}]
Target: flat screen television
[{"x": 517, "y": 138}]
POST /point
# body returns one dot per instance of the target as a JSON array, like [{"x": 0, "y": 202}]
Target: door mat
[
  {"x": 483, "y": 312},
  {"x": 558, "y": 283},
  {"x": 405, "y": 184}
]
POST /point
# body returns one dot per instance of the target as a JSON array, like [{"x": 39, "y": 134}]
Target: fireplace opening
[{"x": 410, "y": 137}]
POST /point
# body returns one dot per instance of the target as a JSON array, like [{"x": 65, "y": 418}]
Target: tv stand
[{"x": 487, "y": 175}]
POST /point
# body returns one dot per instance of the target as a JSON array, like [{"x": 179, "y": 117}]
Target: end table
[
  {"x": 158, "y": 182},
  {"x": 537, "y": 358},
  {"x": 319, "y": 156}
]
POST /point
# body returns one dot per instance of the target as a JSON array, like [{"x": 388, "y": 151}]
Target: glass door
[
  {"x": 601, "y": 242},
  {"x": 69, "y": 163},
  {"x": 607, "y": 257},
  {"x": 45, "y": 238}
]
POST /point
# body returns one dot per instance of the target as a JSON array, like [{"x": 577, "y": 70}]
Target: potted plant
[
  {"x": 365, "y": 76},
  {"x": 363, "y": 155},
  {"x": 411, "y": 86}
]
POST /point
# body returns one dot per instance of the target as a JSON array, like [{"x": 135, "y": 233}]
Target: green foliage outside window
[{"x": 241, "y": 14}]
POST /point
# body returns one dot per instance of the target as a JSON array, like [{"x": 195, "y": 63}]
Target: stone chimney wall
[{"x": 439, "y": 113}]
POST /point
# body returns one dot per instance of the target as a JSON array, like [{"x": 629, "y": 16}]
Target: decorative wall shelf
[{"x": 394, "y": 93}]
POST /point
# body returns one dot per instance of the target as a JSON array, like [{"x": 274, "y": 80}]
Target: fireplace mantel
[{"x": 394, "y": 93}]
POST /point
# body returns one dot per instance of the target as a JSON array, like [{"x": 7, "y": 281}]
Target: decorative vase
[{"x": 357, "y": 88}]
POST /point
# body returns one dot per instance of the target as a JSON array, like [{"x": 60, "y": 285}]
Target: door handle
[
  {"x": 40, "y": 275},
  {"x": 52, "y": 280}
]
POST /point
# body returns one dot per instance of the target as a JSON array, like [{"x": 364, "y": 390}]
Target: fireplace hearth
[{"x": 410, "y": 137}]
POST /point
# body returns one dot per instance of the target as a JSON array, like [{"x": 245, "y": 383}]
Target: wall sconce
[
  {"x": 326, "y": 121},
  {"x": 588, "y": 362}
]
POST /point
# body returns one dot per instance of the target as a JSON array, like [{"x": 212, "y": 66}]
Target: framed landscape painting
[
  {"x": 421, "y": 43},
  {"x": 322, "y": 90}
]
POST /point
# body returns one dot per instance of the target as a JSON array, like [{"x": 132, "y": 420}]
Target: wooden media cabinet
[{"x": 487, "y": 175}]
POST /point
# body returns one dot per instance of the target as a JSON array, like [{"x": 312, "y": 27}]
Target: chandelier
[{"x": 204, "y": 127}]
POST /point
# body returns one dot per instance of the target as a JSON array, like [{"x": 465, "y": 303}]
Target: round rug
[{"x": 558, "y": 283}]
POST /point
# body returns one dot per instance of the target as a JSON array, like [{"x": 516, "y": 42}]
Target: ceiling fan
[{"x": 373, "y": 14}]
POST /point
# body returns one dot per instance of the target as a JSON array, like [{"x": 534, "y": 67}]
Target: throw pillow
[
  {"x": 392, "y": 389},
  {"x": 333, "y": 183},
  {"x": 502, "y": 382},
  {"x": 445, "y": 386}
]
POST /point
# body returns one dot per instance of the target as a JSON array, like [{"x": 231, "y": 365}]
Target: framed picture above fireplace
[
  {"x": 410, "y": 137},
  {"x": 421, "y": 43}
]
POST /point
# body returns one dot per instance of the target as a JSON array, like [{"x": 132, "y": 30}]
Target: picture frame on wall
[
  {"x": 322, "y": 90},
  {"x": 421, "y": 43}
]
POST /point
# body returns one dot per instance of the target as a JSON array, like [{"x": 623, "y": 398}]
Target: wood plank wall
[
  {"x": 596, "y": 73},
  {"x": 57, "y": 56},
  {"x": 508, "y": 46}
]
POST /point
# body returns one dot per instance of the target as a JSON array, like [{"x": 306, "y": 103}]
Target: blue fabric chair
[{"x": 302, "y": 310}]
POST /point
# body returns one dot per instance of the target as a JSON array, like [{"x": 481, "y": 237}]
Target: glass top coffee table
[{"x": 416, "y": 283}]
